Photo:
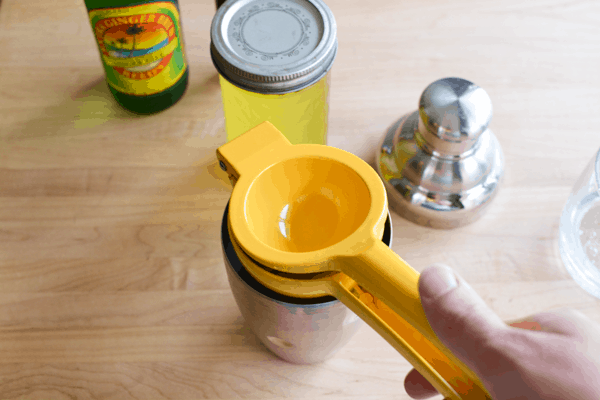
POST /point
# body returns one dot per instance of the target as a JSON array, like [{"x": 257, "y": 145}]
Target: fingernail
[{"x": 436, "y": 281}]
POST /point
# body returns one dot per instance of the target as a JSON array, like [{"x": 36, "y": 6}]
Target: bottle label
[{"x": 140, "y": 46}]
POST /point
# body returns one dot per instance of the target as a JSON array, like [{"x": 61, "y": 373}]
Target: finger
[
  {"x": 417, "y": 386},
  {"x": 526, "y": 323},
  {"x": 459, "y": 317},
  {"x": 567, "y": 322}
]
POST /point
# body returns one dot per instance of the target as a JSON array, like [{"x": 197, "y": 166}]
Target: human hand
[{"x": 548, "y": 356}]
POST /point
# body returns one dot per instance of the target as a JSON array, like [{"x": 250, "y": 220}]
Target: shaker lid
[
  {"x": 273, "y": 46},
  {"x": 455, "y": 113},
  {"x": 441, "y": 165}
]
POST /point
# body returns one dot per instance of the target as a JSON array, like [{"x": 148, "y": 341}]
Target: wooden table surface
[{"x": 112, "y": 281}]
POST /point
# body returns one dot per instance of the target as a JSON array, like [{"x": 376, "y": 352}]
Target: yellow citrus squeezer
[{"x": 307, "y": 221}]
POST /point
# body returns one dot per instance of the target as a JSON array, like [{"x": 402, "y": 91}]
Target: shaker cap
[
  {"x": 441, "y": 165},
  {"x": 273, "y": 46},
  {"x": 454, "y": 112}
]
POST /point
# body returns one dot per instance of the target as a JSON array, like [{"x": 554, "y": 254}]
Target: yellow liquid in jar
[{"x": 301, "y": 116}]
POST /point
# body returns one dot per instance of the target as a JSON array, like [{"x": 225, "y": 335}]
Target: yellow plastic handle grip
[
  {"x": 384, "y": 290},
  {"x": 247, "y": 152}
]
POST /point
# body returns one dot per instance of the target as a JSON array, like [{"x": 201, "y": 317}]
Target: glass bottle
[{"x": 142, "y": 51}]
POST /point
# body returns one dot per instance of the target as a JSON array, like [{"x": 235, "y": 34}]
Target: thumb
[{"x": 460, "y": 318}]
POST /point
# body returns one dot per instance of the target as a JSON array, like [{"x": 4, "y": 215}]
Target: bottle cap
[{"x": 273, "y": 46}]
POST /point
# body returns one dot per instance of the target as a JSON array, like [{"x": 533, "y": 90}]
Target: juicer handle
[
  {"x": 247, "y": 153},
  {"x": 383, "y": 290}
]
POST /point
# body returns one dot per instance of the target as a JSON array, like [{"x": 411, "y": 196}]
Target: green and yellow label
[{"x": 141, "y": 46}]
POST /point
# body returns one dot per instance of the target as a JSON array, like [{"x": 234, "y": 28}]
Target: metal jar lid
[{"x": 273, "y": 46}]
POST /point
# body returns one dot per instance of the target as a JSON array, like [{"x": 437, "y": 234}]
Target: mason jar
[{"x": 274, "y": 59}]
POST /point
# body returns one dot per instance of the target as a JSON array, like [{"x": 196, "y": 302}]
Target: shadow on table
[
  {"x": 92, "y": 104},
  {"x": 95, "y": 102}
]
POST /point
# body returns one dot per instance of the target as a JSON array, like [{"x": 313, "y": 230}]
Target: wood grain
[{"x": 112, "y": 282}]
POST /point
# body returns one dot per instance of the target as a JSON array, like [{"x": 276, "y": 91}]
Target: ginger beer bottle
[{"x": 142, "y": 51}]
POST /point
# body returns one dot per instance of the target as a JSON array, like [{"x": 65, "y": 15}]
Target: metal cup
[{"x": 301, "y": 331}]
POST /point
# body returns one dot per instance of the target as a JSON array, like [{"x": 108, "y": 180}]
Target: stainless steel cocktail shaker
[{"x": 441, "y": 164}]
